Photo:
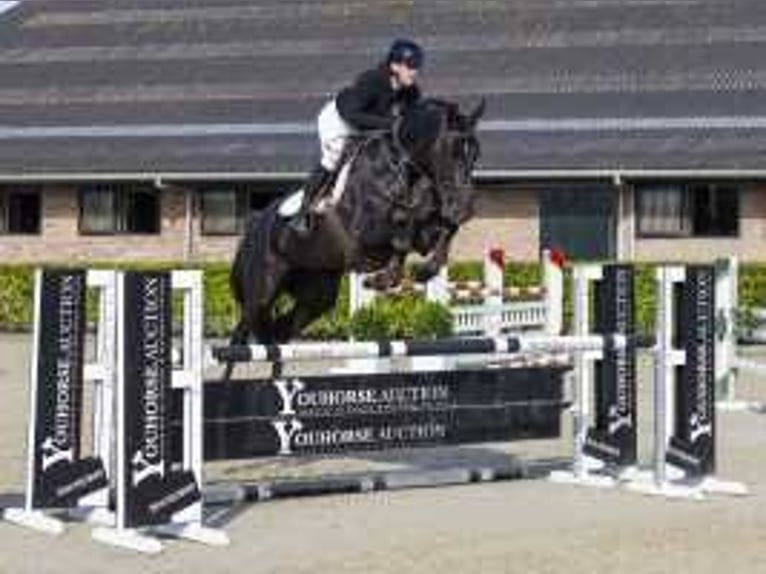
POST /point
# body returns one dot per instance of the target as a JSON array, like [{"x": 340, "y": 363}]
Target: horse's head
[
  {"x": 458, "y": 150},
  {"x": 449, "y": 151}
]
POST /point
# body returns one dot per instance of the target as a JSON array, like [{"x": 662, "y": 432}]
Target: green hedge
[
  {"x": 401, "y": 316},
  {"x": 16, "y": 294},
  {"x": 752, "y": 285}
]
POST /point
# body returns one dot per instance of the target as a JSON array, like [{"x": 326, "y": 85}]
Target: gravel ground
[{"x": 525, "y": 526}]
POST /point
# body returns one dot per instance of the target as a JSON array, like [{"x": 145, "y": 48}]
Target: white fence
[{"x": 488, "y": 307}]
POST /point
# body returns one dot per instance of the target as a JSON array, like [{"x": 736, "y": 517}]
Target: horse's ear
[{"x": 476, "y": 113}]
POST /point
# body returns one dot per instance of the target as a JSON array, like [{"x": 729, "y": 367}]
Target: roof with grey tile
[{"x": 233, "y": 86}]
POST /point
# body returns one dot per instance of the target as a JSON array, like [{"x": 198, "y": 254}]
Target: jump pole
[
  {"x": 413, "y": 348},
  {"x": 553, "y": 285}
]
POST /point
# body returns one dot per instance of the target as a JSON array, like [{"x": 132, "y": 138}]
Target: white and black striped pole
[{"x": 413, "y": 348}]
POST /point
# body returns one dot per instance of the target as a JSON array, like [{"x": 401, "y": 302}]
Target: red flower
[
  {"x": 497, "y": 256},
  {"x": 557, "y": 257}
]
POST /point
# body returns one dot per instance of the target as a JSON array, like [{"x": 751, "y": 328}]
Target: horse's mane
[
  {"x": 424, "y": 122},
  {"x": 451, "y": 109}
]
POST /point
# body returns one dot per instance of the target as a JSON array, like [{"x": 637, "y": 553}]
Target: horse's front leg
[
  {"x": 438, "y": 257},
  {"x": 388, "y": 277}
]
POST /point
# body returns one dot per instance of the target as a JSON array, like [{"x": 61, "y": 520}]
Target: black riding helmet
[{"x": 406, "y": 52}]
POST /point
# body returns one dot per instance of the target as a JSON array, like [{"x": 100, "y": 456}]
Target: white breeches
[{"x": 333, "y": 135}]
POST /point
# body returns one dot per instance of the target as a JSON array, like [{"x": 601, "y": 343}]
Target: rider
[{"x": 371, "y": 103}]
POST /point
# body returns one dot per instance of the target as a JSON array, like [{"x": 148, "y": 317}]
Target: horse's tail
[
  {"x": 246, "y": 276},
  {"x": 251, "y": 255},
  {"x": 238, "y": 337}
]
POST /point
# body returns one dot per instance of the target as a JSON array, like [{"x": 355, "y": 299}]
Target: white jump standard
[
  {"x": 684, "y": 459},
  {"x": 728, "y": 363},
  {"x": 605, "y": 448},
  {"x": 158, "y": 478},
  {"x": 59, "y": 476},
  {"x": 63, "y": 478}
]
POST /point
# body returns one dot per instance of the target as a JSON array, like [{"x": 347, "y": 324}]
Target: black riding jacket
[{"x": 368, "y": 104}]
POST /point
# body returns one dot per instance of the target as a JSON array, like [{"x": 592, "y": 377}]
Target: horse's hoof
[
  {"x": 374, "y": 282},
  {"x": 379, "y": 282}
]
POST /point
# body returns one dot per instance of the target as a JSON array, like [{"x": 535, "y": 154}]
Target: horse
[{"x": 405, "y": 191}]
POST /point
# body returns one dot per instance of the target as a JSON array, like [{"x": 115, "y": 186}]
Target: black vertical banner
[
  {"x": 60, "y": 476},
  {"x": 692, "y": 445},
  {"x": 154, "y": 489},
  {"x": 613, "y": 439}
]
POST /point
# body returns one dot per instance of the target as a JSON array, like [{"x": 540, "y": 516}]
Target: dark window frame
[
  {"x": 120, "y": 209},
  {"x": 239, "y": 208},
  {"x": 688, "y": 202},
  {"x": 7, "y": 192},
  {"x": 250, "y": 198},
  {"x": 81, "y": 218}
]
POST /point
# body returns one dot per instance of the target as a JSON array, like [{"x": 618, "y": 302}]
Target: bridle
[{"x": 402, "y": 162}]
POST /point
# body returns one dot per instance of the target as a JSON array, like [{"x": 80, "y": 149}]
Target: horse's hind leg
[
  {"x": 257, "y": 317},
  {"x": 257, "y": 326},
  {"x": 239, "y": 336},
  {"x": 255, "y": 307}
]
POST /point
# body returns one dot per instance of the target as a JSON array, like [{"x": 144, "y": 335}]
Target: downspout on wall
[
  {"x": 188, "y": 225},
  {"x": 188, "y": 242}
]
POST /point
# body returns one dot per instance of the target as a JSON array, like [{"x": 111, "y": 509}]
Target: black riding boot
[{"x": 312, "y": 191}]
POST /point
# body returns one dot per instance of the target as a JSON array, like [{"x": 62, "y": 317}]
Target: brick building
[{"x": 148, "y": 129}]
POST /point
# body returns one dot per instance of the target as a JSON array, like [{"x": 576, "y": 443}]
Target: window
[
  {"x": 20, "y": 211},
  {"x": 141, "y": 211},
  {"x": 219, "y": 212},
  {"x": 97, "y": 211},
  {"x": 691, "y": 210},
  {"x": 119, "y": 209},
  {"x": 226, "y": 208}
]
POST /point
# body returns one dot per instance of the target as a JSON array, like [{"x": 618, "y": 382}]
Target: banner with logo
[
  {"x": 60, "y": 475},
  {"x": 154, "y": 485},
  {"x": 614, "y": 436},
  {"x": 692, "y": 444},
  {"x": 377, "y": 411}
]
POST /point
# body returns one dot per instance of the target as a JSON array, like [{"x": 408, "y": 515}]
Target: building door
[{"x": 581, "y": 221}]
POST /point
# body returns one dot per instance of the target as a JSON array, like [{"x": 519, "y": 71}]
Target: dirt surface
[{"x": 523, "y": 526}]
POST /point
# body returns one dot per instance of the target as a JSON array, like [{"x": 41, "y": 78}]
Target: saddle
[{"x": 292, "y": 203}]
